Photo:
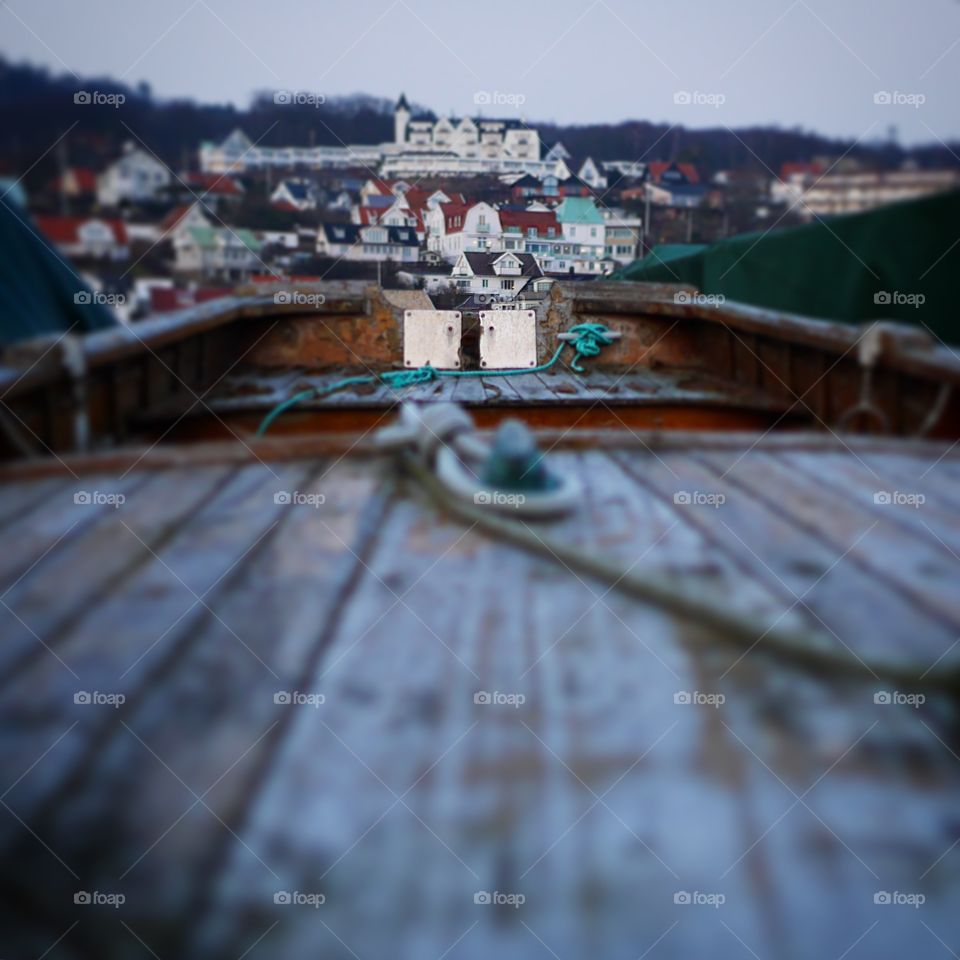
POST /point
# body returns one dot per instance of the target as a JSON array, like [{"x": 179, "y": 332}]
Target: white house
[
  {"x": 499, "y": 276},
  {"x": 100, "y": 239},
  {"x": 350, "y": 241},
  {"x": 216, "y": 253},
  {"x": 296, "y": 194},
  {"x": 134, "y": 178},
  {"x": 455, "y": 228}
]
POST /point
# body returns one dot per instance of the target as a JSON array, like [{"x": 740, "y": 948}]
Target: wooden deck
[{"x": 221, "y": 783}]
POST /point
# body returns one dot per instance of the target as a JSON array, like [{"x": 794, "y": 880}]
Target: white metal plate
[
  {"x": 508, "y": 339},
  {"x": 431, "y": 337}
]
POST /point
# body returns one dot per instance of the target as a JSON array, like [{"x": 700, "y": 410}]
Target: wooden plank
[
  {"x": 869, "y": 542},
  {"x": 20, "y": 499},
  {"x": 57, "y": 518},
  {"x": 806, "y": 570},
  {"x": 94, "y": 561},
  {"x": 909, "y": 506},
  {"x": 133, "y": 637},
  {"x": 145, "y": 781},
  {"x": 489, "y": 797}
]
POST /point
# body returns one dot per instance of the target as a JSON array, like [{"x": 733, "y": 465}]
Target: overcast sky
[{"x": 811, "y": 63}]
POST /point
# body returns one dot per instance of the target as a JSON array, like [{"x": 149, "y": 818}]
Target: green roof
[
  {"x": 207, "y": 236},
  {"x": 579, "y": 210},
  {"x": 898, "y": 262}
]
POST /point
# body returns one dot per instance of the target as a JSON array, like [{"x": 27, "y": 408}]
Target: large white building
[{"x": 422, "y": 145}]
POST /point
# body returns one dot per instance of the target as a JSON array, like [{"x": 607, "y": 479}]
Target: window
[
  {"x": 506, "y": 284},
  {"x": 484, "y": 283},
  {"x": 593, "y": 231}
]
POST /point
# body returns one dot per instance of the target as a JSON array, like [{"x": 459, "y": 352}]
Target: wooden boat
[{"x": 266, "y": 697}]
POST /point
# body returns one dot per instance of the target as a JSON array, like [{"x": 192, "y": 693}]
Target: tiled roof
[{"x": 66, "y": 229}]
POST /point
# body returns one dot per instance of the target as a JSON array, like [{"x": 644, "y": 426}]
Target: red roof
[
  {"x": 793, "y": 169},
  {"x": 525, "y": 220},
  {"x": 63, "y": 230},
  {"x": 174, "y": 217},
  {"x": 451, "y": 213},
  {"x": 657, "y": 168},
  {"x": 212, "y": 183},
  {"x": 285, "y": 205}
]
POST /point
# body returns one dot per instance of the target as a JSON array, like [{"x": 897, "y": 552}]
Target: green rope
[{"x": 591, "y": 339}]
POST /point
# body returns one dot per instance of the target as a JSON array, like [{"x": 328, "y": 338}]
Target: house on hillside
[
  {"x": 455, "y": 228},
  {"x": 497, "y": 276},
  {"x": 216, "y": 253},
  {"x": 295, "y": 194},
  {"x": 351, "y": 241},
  {"x": 87, "y": 237},
  {"x": 584, "y": 229},
  {"x": 136, "y": 177}
]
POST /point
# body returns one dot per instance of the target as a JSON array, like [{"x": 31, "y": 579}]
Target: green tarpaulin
[
  {"x": 39, "y": 292},
  {"x": 894, "y": 263}
]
